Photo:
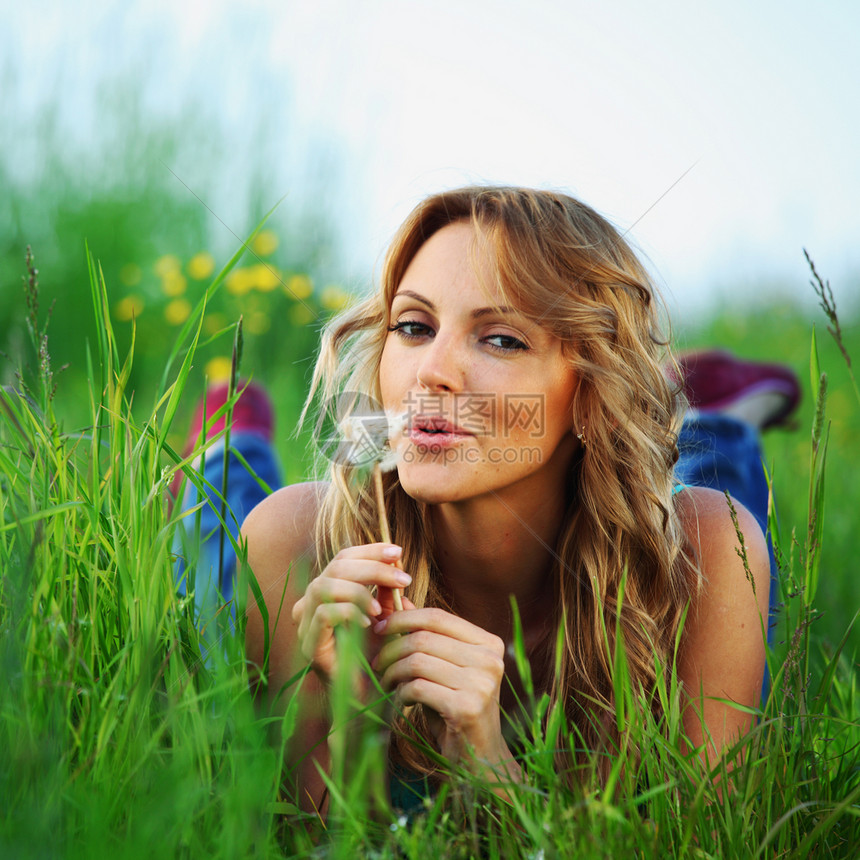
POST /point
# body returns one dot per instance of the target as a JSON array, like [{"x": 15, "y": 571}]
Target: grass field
[{"x": 117, "y": 741}]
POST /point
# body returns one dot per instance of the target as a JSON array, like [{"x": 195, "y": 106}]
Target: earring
[{"x": 581, "y": 436}]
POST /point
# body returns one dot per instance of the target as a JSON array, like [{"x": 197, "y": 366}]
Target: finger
[
  {"x": 325, "y": 619},
  {"x": 342, "y": 591},
  {"x": 453, "y": 651},
  {"x": 387, "y": 553},
  {"x": 426, "y": 666},
  {"x": 333, "y": 592},
  {"x": 366, "y": 571},
  {"x": 439, "y": 621},
  {"x": 299, "y": 610},
  {"x": 442, "y": 699}
]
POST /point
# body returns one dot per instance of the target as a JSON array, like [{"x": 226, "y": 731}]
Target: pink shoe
[
  {"x": 761, "y": 394},
  {"x": 252, "y": 413}
]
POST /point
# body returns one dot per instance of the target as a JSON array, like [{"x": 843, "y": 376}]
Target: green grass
[{"x": 117, "y": 741}]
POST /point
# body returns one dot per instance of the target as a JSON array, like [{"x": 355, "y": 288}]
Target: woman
[{"x": 518, "y": 334}]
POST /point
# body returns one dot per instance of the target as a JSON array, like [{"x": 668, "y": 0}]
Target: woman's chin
[
  {"x": 430, "y": 485},
  {"x": 427, "y": 492}
]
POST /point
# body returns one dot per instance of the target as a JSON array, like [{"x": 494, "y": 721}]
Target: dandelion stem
[{"x": 383, "y": 526}]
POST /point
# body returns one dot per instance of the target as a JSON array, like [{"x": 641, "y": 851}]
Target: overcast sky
[{"x": 724, "y": 135}]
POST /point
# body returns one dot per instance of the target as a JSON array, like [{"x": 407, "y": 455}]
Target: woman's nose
[{"x": 442, "y": 366}]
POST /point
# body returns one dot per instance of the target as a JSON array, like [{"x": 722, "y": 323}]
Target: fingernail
[
  {"x": 365, "y": 621},
  {"x": 375, "y": 608},
  {"x": 391, "y": 552},
  {"x": 402, "y": 578},
  {"x": 380, "y": 625}
]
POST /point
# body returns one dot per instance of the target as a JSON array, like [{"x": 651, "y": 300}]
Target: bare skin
[{"x": 722, "y": 653}]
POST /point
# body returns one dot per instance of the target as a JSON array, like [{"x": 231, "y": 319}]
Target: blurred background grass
[{"x": 159, "y": 246}]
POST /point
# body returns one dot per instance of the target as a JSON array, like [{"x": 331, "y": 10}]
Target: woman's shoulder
[
  {"x": 282, "y": 526},
  {"x": 721, "y": 658},
  {"x": 295, "y": 504},
  {"x": 279, "y": 537},
  {"x": 721, "y": 532},
  {"x": 706, "y": 513}
]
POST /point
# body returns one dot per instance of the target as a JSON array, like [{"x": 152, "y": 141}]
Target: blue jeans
[{"x": 198, "y": 553}]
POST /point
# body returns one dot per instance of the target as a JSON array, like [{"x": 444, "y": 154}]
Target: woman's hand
[
  {"x": 341, "y": 595},
  {"x": 455, "y": 669}
]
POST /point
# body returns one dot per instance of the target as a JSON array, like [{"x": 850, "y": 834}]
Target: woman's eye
[
  {"x": 411, "y": 329},
  {"x": 505, "y": 342}
]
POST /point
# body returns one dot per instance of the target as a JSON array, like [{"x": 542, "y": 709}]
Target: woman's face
[{"x": 486, "y": 393}]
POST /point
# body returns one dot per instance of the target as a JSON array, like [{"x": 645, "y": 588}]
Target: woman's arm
[
  {"x": 304, "y": 611},
  {"x": 722, "y": 653},
  {"x": 279, "y": 535}
]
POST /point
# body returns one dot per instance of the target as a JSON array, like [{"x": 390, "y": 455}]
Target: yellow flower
[
  {"x": 130, "y": 274},
  {"x": 218, "y": 368},
  {"x": 177, "y": 311},
  {"x": 258, "y": 323},
  {"x": 129, "y": 307},
  {"x": 266, "y": 277},
  {"x": 173, "y": 283},
  {"x": 167, "y": 263},
  {"x": 239, "y": 282},
  {"x": 299, "y": 287},
  {"x": 214, "y": 322},
  {"x": 334, "y": 298},
  {"x": 301, "y": 315},
  {"x": 264, "y": 243},
  {"x": 201, "y": 266}
]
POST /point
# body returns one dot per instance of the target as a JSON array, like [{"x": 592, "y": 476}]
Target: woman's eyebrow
[
  {"x": 495, "y": 309},
  {"x": 417, "y": 296},
  {"x": 478, "y": 312}
]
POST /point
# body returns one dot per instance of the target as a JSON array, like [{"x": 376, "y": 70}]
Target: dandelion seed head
[
  {"x": 397, "y": 423},
  {"x": 389, "y": 460},
  {"x": 369, "y": 437}
]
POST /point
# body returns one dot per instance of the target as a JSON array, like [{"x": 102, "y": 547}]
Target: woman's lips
[{"x": 429, "y": 432}]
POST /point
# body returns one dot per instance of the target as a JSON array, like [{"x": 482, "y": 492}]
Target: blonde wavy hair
[{"x": 570, "y": 271}]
